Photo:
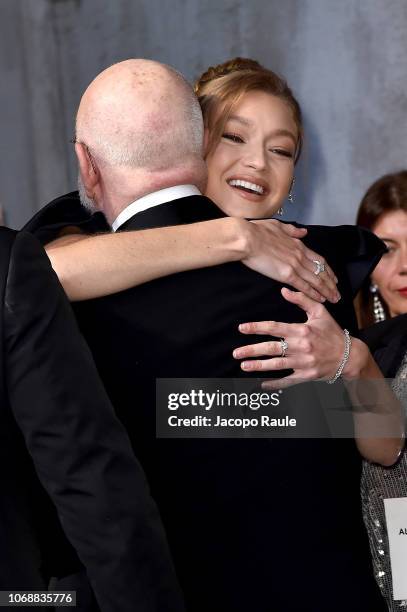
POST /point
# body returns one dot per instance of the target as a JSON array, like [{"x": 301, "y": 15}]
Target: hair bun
[{"x": 233, "y": 65}]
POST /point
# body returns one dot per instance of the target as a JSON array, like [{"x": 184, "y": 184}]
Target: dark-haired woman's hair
[{"x": 387, "y": 194}]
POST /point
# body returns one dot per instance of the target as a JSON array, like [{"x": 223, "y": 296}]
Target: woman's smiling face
[{"x": 250, "y": 171}]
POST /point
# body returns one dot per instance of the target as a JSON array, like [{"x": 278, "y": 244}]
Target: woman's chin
[{"x": 248, "y": 210}]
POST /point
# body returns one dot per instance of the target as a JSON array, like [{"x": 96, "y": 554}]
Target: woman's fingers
[
  {"x": 271, "y": 328},
  {"x": 297, "y": 281},
  {"x": 278, "y": 252},
  {"x": 309, "y": 306},
  {"x": 270, "y": 348},
  {"x": 323, "y": 282},
  {"x": 312, "y": 257},
  {"x": 298, "y": 363},
  {"x": 294, "y": 232}
]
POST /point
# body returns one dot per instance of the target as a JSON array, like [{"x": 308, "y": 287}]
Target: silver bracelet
[{"x": 348, "y": 343}]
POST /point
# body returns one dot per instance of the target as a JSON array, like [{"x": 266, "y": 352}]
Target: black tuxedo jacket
[
  {"x": 253, "y": 524},
  {"x": 53, "y": 405}
]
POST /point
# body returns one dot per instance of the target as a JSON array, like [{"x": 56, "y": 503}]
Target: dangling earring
[
  {"x": 290, "y": 198},
  {"x": 378, "y": 310},
  {"x": 290, "y": 193}
]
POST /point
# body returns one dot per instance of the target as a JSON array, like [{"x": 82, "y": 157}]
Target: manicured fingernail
[
  {"x": 247, "y": 365},
  {"x": 243, "y": 327},
  {"x": 237, "y": 353}
]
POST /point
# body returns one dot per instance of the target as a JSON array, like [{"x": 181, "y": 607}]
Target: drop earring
[
  {"x": 290, "y": 193},
  {"x": 290, "y": 198},
  {"x": 378, "y": 310}
]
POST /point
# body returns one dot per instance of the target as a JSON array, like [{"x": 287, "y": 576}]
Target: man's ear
[{"x": 88, "y": 169}]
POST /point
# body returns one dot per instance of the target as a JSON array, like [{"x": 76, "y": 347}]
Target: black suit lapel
[{"x": 177, "y": 212}]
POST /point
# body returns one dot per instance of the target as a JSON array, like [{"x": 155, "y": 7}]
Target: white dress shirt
[{"x": 154, "y": 199}]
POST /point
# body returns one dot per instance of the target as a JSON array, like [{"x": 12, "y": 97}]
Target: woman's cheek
[
  {"x": 380, "y": 273},
  {"x": 382, "y": 277}
]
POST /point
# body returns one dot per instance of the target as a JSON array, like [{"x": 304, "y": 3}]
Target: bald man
[
  {"x": 113, "y": 171},
  {"x": 139, "y": 147}
]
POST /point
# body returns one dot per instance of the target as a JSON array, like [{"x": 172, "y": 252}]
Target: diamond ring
[
  {"x": 284, "y": 347},
  {"x": 319, "y": 266}
]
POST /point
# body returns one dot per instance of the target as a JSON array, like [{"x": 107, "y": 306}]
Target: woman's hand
[
  {"x": 315, "y": 348},
  {"x": 276, "y": 250}
]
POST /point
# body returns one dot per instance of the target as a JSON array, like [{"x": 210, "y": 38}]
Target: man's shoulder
[
  {"x": 61, "y": 208},
  {"x": 62, "y": 212},
  {"x": 7, "y": 235}
]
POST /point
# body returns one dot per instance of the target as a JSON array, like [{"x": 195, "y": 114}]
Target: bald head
[{"x": 140, "y": 114}]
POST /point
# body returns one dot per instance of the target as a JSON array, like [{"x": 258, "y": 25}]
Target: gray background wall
[{"x": 345, "y": 59}]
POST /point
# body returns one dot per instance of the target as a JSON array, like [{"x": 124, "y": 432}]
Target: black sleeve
[
  {"x": 66, "y": 211},
  {"x": 387, "y": 341},
  {"x": 353, "y": 253},
  {"x": 80, "y": 450}
]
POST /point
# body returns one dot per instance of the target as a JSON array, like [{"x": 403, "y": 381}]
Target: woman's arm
[
  {"x": 367, "y": 387},
  {"x": 315, "y": 350},
  {"x": 93, "y": 266}
]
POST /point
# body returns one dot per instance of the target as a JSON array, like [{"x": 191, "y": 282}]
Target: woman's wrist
[
  {"x": 360, "y": 363},
  {"x": 236, "y": 238}
]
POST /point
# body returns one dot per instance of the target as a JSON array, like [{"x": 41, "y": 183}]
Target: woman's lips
[
  {"x": 249, "y": 190},
  {"x": 402, "y": 292}
]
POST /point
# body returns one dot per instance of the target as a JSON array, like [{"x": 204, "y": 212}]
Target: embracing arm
[
  {"x": 93, "y": 266},
  {"x": 367, "y": 387}
]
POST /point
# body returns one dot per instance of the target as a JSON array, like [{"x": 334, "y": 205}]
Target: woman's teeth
[{"x": 251, "y": 187}]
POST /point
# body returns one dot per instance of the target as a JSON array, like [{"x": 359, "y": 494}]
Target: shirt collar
[{"x": 154, "y": 199}]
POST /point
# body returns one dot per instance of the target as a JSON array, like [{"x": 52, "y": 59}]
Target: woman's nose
[
  {"x": 256, "y": 158},
  {"x": 403, "y": 259}
]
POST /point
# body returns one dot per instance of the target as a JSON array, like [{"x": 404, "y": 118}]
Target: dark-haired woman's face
[
  {"x": 390, "y": 275},
  {"x": 251, "y": 169}
]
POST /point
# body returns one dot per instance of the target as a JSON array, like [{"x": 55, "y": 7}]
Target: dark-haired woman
[{"x": 383, "y": 308}]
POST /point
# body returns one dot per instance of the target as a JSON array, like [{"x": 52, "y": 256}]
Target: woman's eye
[
  {"x": 282, "y": 152},
  {"x": 232, "y": 137}
]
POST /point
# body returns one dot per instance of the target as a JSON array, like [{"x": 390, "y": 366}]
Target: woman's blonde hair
[{"x": 221, "y": 87}]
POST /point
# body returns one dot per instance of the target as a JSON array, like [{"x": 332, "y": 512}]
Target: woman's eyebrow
[{"x": 240, "y": 119}]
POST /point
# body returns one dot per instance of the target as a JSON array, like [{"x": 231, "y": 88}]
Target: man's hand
[{"x": 276, "y": 250}]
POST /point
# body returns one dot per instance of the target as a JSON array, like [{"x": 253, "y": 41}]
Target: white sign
[{"x": 396, "y": 519}]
